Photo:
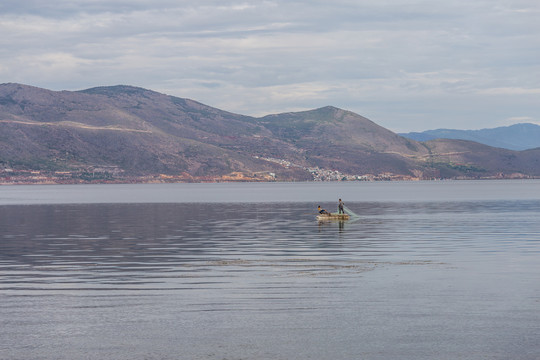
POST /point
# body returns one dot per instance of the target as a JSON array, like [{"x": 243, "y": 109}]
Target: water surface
[{"x": 448, "y": 270}]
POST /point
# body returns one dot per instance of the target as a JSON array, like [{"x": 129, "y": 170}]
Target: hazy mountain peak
[
  {"x": 514, "y": 137},
  {"x": 118, "y": 90}
]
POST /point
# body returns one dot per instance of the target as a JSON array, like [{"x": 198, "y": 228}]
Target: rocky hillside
[{"x": 123, "y": 133}]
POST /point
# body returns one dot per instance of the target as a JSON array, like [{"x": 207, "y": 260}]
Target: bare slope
[
  {"x": 137, "y": 130},
  {"x": 142, "y": 132},
  {"x": 333, "y": 138}
]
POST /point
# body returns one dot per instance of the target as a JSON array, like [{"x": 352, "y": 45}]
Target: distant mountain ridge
[
  {"x": 514, "y": 137},
  {"x": 124, "y": 133}
]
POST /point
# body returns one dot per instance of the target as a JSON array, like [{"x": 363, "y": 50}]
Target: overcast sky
[{"x": 408, "y": 65}]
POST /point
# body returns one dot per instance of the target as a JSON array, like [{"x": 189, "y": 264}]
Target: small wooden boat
[{"x": 333, "y": 216}]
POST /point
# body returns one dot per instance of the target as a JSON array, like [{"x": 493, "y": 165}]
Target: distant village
[
  {"x": 113, "y": 174},
  {"x": 319, "y": 174},
  {"x": 101, "y": 174}
]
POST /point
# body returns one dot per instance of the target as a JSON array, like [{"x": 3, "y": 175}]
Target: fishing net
[{"x": 352, "y": 214}]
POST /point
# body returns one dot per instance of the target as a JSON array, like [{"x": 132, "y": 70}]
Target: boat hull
[{"x": 333, "y": 216}]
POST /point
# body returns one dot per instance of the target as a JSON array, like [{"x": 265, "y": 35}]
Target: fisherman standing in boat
[
  {"x": 322, "y": 211},
  {"x": 340, "y": 207}
]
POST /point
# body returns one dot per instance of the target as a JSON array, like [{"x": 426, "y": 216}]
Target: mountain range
[
  {"x": 125, "y": 133},
  {"x": 514, "y": 137}
]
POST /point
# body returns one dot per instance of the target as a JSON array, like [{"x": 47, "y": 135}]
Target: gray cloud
[{"x": 407, "y": 65}]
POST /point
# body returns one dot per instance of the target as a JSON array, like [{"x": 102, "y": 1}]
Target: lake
[{"x": 428, "y": 270}]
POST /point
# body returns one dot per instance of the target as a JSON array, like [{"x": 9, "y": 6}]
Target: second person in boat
[{"x": 322, "y": 211}]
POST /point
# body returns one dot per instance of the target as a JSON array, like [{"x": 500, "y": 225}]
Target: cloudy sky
[{"x": 408, "y": 65}]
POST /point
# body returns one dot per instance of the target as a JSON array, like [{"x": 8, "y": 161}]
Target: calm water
[{"x": 430, "y": 270}]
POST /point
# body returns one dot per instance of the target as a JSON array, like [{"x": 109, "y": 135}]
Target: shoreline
[{"x": 157, "y": 180}]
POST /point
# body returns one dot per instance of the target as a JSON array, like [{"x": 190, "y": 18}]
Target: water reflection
[{"x": 332, "y": 223}]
